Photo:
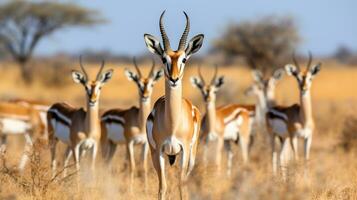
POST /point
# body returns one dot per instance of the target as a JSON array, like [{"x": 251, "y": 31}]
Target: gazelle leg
[
  {"x": 53, "y": 144},
  {"x": 25, "y": 155},
  {"x": 307, "y": 146},
  {"x": 94, "y": 156},
  {"x": 3, "y": 144},
  {"x": 192, "y": 157},
  {"x": 244, "y": 145},
  {"x": 294, "y": 145},
  {"x": 205, "y": 152},
  {"x": 183, "y": 173},
  {"x": 132, "y": 163},
  {"x": 111, "y": 151},
  {"x": 76, "y": 156},
  {"x": 158, "y": 161},
  {"x": 67, "y": 155},
  {"x": 144, "y": 155},
  {"x": 219, "y": 154},
  {"x": 284, "y": 153},
  {"x": 274, "y": 154},
  {"x": 228, "y": 148}
]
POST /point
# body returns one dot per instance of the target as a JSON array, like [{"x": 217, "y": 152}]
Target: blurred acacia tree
[
  {"x": 24, "y": 23},
  {"x": 265, "y": 44}
]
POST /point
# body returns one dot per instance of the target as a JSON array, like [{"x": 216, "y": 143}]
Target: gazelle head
[
  {"x": 265, "y": 85},
  {"x": 304, "y": 78},
  {"x": 174, "y": 61},
  {"x": 92, "y": 87},
  {"x": 209, "y": 90},
  {"x": 145, "y": 84}
]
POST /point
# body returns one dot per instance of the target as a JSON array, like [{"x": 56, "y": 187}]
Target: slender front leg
[
  {"x": 111, "y": 151},
  {"x": 219, "y": 154},
  {"x": 183, "y": 173},
  {"x": 76, "y": 156},
  {"x": 307, "y": 146},
  {"x": 158, "y": 161},
  {"x": 68, "y": 155},
  {"x": 228, "y": 148},
  {"x": 294, "y": 145},
  {"x": 144, "y": 155},
  {"x": 284, "y": 158},
  {"x": 53, "y": 144},
  {"x": 94, "y": 156},
  {"x": 25, "y": 155},
  {"x": 274, "y": 154},
  {"x": 244, "y": 145},
  {"x": 205, "y": 151},
  {"x": 130, "y": 147}
]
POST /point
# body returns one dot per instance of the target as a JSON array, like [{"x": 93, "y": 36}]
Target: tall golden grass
[{"x": 332, "y": 170}]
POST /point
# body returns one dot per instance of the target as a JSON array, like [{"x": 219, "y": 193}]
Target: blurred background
[{"x": 41, "y": 41}]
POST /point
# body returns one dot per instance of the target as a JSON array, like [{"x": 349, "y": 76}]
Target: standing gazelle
[
  {"x": 129, "y": 126},
  {"x": 263, "y": 89},
  {"x": 76, "y": 127},
  {"x": 174, "y": 123},
  {"x": 225, "y": 124},
  {"x": 289, "y": 123}
]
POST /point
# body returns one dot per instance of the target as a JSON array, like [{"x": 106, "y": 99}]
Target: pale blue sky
[{"x": 324, "y": 24}]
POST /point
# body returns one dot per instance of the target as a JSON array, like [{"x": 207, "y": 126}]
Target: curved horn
[
  {"x": 309, "y": 61},
  {"x": 183, "y": 39},
  {"x": 200, "y": 75},
  {"x": 151, "y": 73},
  {"x": 136, "y": 66},
  {"x": 100, "y": 70},
  {"x": 296, "y": 62},
  {"x": 82, "y": 67},
  {"x": 165, "y": 39},
  {"x": 215, "y": 74}
]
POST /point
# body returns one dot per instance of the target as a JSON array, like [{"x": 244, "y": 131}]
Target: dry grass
[{"x": 332, "y": 174}]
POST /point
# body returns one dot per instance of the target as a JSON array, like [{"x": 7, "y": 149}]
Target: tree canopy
[
  {"x": 264, "y": 44},
  {"x": 24, "y": 23}
]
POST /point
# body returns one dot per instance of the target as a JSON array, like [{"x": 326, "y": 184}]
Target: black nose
[{"x": 174, "y": 80}]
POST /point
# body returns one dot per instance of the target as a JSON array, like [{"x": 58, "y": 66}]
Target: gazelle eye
[
  {"x": 184, "y": 60},
  {"x": 164, "y": 60}
]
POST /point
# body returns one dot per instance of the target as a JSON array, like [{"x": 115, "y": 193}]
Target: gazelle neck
[
  {"x": 173, "y": 105},
  {"x": 144, "y": 111},
  {"x": 306, "y": 108},
  {"x": 92, "y": 120},
  {"x": 211, "y": 116}
]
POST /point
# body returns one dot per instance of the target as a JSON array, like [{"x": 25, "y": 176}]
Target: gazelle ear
[
  {"x": 158, "y": 74},
  {"x": 257, "y": 76},
  {"x": 78, "y": 77},
  {"x": 196, "y": 82},
  {"x": 194, "y": 45},
  {"x": 153, "y": 44},
  {"x": 315, "y": 69},
  {"x": 219, "y": 82},
  {"x": 106, "y": 76},
  {"x": 131, "y": 75},
  {"x": 278, "y": 74},
  {"x": 291, "y": 70}
]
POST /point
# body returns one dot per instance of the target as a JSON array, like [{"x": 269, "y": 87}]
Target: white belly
[
  {"x": 14, "y": 126},
  {"x": 115, "y": 132},
  {"x": 279, "y": 127},
  {"x": 231, "y": 131},
  {"x": 62, "y": 131}
]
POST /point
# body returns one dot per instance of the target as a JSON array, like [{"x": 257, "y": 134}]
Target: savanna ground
[{"x": 332, "y": 168}]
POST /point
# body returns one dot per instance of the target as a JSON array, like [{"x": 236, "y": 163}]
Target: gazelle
[
  {"x": 263, "y": 89},
  {"x": 289, "y": 123},
  {"x": 41, "y": 107},
  {"x": 17, "y": 119},
  {"x": 174, "y": 123},
  {"x": 129, "y": 126},
  {"x": 225, "y": 124},
  {"x": 76, "y": 127}
]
